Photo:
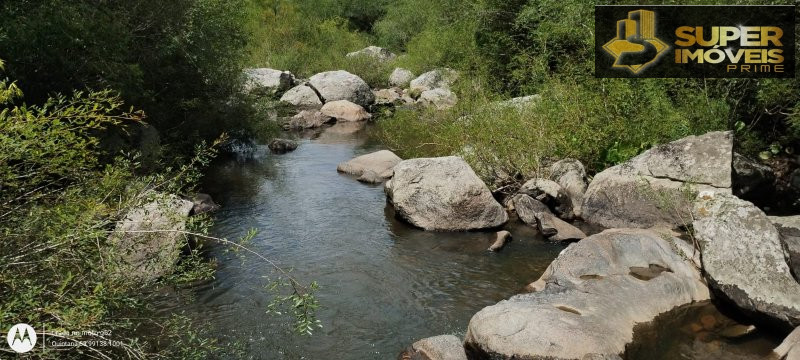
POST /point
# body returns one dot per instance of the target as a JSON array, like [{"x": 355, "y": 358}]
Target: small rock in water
[
  {"x": 203, "y": 203},
  {"x": 503, "y": 237},
  {"x": 282, "y": 146}
]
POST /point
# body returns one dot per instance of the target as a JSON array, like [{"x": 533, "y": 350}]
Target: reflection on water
[{"x": 383, "y": 283}]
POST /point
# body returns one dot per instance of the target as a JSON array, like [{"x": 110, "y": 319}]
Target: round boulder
[
  {"x": 342, "y": 85},
  {"x": 443, "y": 194}
]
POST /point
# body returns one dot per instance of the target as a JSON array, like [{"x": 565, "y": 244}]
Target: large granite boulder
[
  {"x": 744, "y": 260},
  {"x": 537, "y": 214},
  {"x": 589, "y": 299},
  {"x": 302, "y": 96},
  {"x": 439, "y": 98},
  {"x": 267, "y": 81},
  {"x": 439, "y": 78},
  {"x": 571, "y": 176},
  {"x": 443, "y": 194},
  {"x": 373, "y": 52},
  {"x": 656, "y": 188},
  {"x": 789, "y": 228},
  {"x": 344, "y": 110},
  {"x": 146, "y": 243},
  {"x": 380, "y": 163},
  {"x": 342, "y": 85},
  {"x": 442, "y": 347},
  {"x": 400, "y": 77}
]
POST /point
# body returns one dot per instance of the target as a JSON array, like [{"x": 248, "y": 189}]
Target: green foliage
[{"x": 180, "y": 61}]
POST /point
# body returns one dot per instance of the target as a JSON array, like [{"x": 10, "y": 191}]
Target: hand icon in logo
[{"x": 636, "y": 45}]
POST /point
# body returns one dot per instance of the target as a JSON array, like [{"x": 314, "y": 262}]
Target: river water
[{"x": 383, "y": 284}]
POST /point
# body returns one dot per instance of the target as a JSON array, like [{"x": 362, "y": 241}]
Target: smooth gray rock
[
  {"x": 656, "y": 188},
  {"x": 268, "y": 81},
  {"x": 589, "y": 299},
  {"x": 789, "y": 228},
  {"x": 302, "y": 96},
  {"x": 744, "y": 260},
  {"x": 146, "y": 243},
  {"x": 571, "y": 176},
  {"x": 443, "y": 194},
  {"x": 282, "y": 146},
  {"x": 535, "y": 213},
  {"x": 308, "y": 119},
  {"x": 374, "y": 52},
  {"x": 439, "y": 98},
  {"x": 379, "y": 163},
  {"x": 342, "y": 85},
  {"x": 439, "y": 78},
  {"x": 344, "y": 110},
  {"x": 401, "y": 77},
  {"x": 551, "y": 194},
  {"x": 789, "y": 349},
  {"x": 442, "y": 347}
]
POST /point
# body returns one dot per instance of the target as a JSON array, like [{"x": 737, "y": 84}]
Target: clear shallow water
[{"x": 383, "y": 284}]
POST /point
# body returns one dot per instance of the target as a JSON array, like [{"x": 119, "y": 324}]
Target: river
[{"x": 383, "y": 284}]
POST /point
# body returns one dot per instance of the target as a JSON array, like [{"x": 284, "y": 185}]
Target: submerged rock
[
  {"x": 590, "y": 298},
  {"x": 344, "y": 110},
  {"x": 443, "y": 194},
  {"x": 379, "y": 163},
  {"x": 535, "y": 213},
  {"x": 342, "y": 85},
  {"x": 656, "y": 188},
  {"x": 268, "y": 81},
  {"x": 400, "y": 77},
  {"x": 302, "y": 96},
  {"x": 744, "y": 260},
  {"x": 374, "y": 52},
  {"x": 442, "y": 347},
  {"x": 789, "y": 229},
  {"x": 146, "y": 243},
  {"x": 282, "y": 146}
]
